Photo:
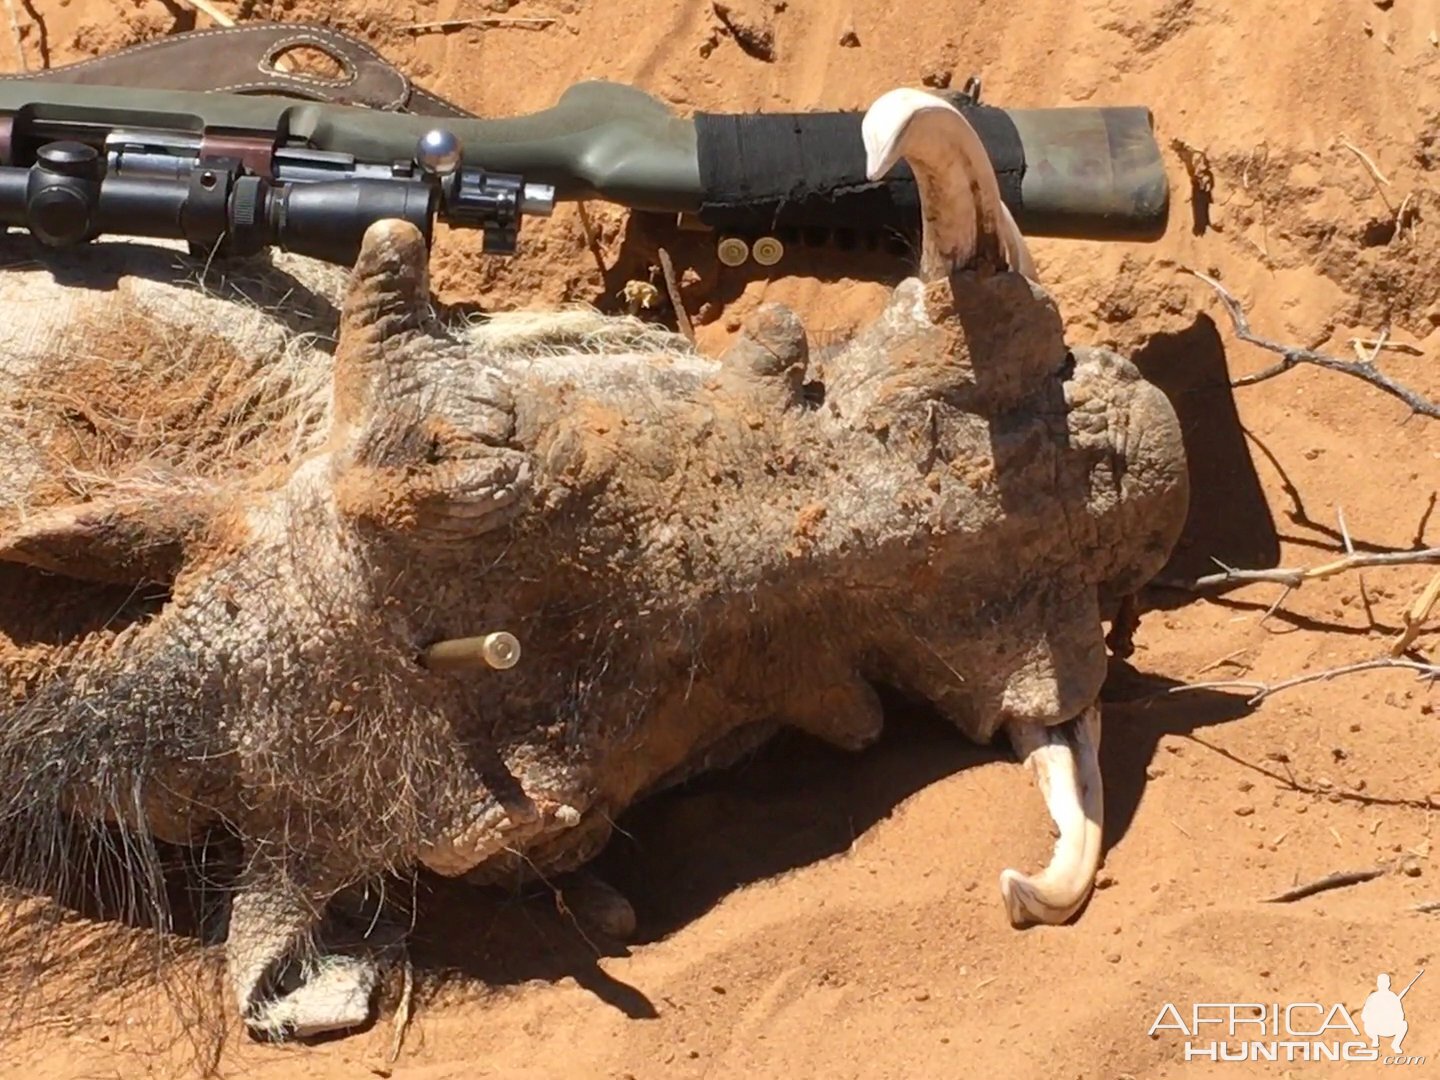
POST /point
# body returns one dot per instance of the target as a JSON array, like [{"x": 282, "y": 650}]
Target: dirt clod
[{"x": 751, "y": 24}]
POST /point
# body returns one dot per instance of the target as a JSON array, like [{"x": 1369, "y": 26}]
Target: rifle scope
[{"x": 315, "y": 204}]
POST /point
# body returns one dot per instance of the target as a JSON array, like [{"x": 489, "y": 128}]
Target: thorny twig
[
  {"x": 1292, "y": 355},
  {"x": 1415, "y": 616},
  {"x": 1428, "y": 672},
  {"x": 1350, "y": 551},
  {"x": 1294, "y": 577},
  {"x": 1324, "y": 884},
  {"x": 1375, "y": 346},
  {"x": 1424, "y": 522},
  {"x": 1430, "y": 907},
  {"x": 1380, "y": 344},
  {"x": 1413, "y": 619}
]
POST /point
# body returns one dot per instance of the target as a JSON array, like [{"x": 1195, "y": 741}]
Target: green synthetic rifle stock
[{"x": 1077, "y": 172}]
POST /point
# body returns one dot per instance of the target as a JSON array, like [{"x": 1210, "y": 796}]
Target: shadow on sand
[
  {"x": 793, "y": 803},
  {"x": 1229, "y": 517},
  {"x": 797, "y": 801}
]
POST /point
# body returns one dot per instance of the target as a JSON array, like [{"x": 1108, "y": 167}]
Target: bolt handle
[{"x": 62, "y": 193}]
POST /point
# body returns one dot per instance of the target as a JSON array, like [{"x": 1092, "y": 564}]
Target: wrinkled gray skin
[{"x": 690, "y": 550}]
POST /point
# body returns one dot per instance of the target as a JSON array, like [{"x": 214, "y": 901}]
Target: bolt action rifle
[{"x": 201, "y": 137}]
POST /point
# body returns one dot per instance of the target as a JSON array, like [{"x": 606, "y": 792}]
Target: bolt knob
[{"x": 438, "y": 152}]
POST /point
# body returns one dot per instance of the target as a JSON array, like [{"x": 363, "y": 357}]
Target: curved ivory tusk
[
  {"x": 961, "y": 207},
  {"x": 1066, "y": 763}
]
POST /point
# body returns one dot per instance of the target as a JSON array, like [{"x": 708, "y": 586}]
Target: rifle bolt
[
  {"x": 538, "y": 199},
  {"x": 767, "y": 251},
  {"x": 732, "y": 251}
]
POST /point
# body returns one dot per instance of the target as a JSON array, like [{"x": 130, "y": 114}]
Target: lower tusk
[
  {"x": 1066, "y": 763},
  {"x": 499, "y": 650}
]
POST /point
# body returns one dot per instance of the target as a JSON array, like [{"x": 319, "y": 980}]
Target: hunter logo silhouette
[{"x": 1384, "y": 1013}]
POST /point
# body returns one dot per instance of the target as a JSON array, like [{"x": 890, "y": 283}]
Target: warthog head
[{"x": 689, "y": 552}]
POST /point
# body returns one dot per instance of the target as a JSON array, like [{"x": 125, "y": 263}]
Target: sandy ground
[{"x": 814, "y": 914}]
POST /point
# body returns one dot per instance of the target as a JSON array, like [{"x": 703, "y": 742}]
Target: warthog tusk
[
  {"x": 963, "y": 212},
  {"x": 1066, "y": 764},
  {"x": 499, "y": 650}
]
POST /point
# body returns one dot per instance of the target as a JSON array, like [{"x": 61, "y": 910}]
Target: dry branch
[
  {"x": 1405, "y": 215},
  {"x": 672, "y": 286},
  {"x": 1375, "y": 174},
  {"x": 1382, "y": 344},
  {"x": 1294, "y": 577},
  {"x": 1414, "y": 618},
  {"x": 1429, "y": 672},
  {"x": 592, "y": 239},
  {"x": 1291, "y": 355},
  {"x": 1328, "y": 882},
  {"x": 538, "y": 22}
]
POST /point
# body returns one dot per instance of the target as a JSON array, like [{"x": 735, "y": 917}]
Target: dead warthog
[{"x": 230, "y": 546}]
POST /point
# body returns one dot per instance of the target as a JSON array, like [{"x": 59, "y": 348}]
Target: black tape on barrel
[{"x": 760, "y": 172}]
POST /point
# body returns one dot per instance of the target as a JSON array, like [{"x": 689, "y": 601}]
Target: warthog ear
[
  {"x": 126, "y": 538},
  {"x": 382, "y": 312}
]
